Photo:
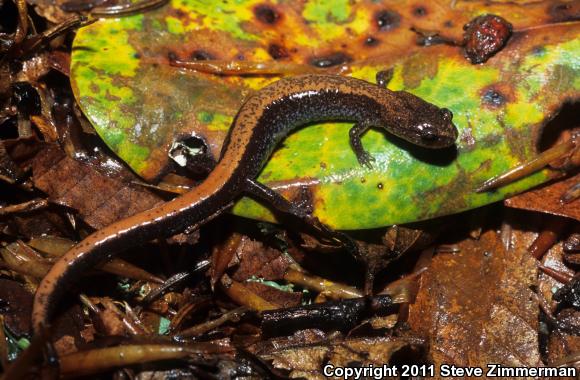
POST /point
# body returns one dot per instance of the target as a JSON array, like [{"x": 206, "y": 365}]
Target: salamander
[{"x": 264, "y": 119}]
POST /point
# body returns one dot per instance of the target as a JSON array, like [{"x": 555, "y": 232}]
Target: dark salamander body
[{"x": 263, "y": 121}]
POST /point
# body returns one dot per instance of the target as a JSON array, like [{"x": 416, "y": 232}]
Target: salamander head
[{"x": 423, "y": 123}]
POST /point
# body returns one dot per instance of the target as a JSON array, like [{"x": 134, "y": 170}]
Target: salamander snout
[
  {"x": 447, "y": 132},
  {"x": 427, "y": 133},
  {"x": 438, "y": 132},
  {"x": 423, "y": 123}
]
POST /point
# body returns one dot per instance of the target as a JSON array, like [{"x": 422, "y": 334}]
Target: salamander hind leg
[
  {"x": 364, "y": 158},
  {"x": 278, "y": 202}
]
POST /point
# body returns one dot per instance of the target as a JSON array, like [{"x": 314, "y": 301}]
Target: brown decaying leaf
[
  {"x": 49, "y": 222},
  {"x": 18, "y": 307},
  {"x": 9, "y": 170},
  {"x": 307, "y": 358},
  {"x": 256, "y": 259},
  {"x": 16, "y": 313},
  {"x": 546, "y": 199},
  {"x": 477, "y": 306},
  {"x": 67, "y": 336},
  {"x": 99, "y": 199}
]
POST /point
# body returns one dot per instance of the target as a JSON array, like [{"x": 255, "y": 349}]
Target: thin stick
[{"x": 527, "y": 168}]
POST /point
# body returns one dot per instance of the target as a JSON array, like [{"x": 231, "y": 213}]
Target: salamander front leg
[
  {"x": 364, "y": 158},
  {"x": 272, "y": 198},
  {"x": 384, "y": 77}
]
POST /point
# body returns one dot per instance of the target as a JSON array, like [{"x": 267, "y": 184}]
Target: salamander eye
[{"x": 446, "y": 114}]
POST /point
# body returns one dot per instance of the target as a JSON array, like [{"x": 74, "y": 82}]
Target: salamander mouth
[{"x": 431, "y": 136}]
